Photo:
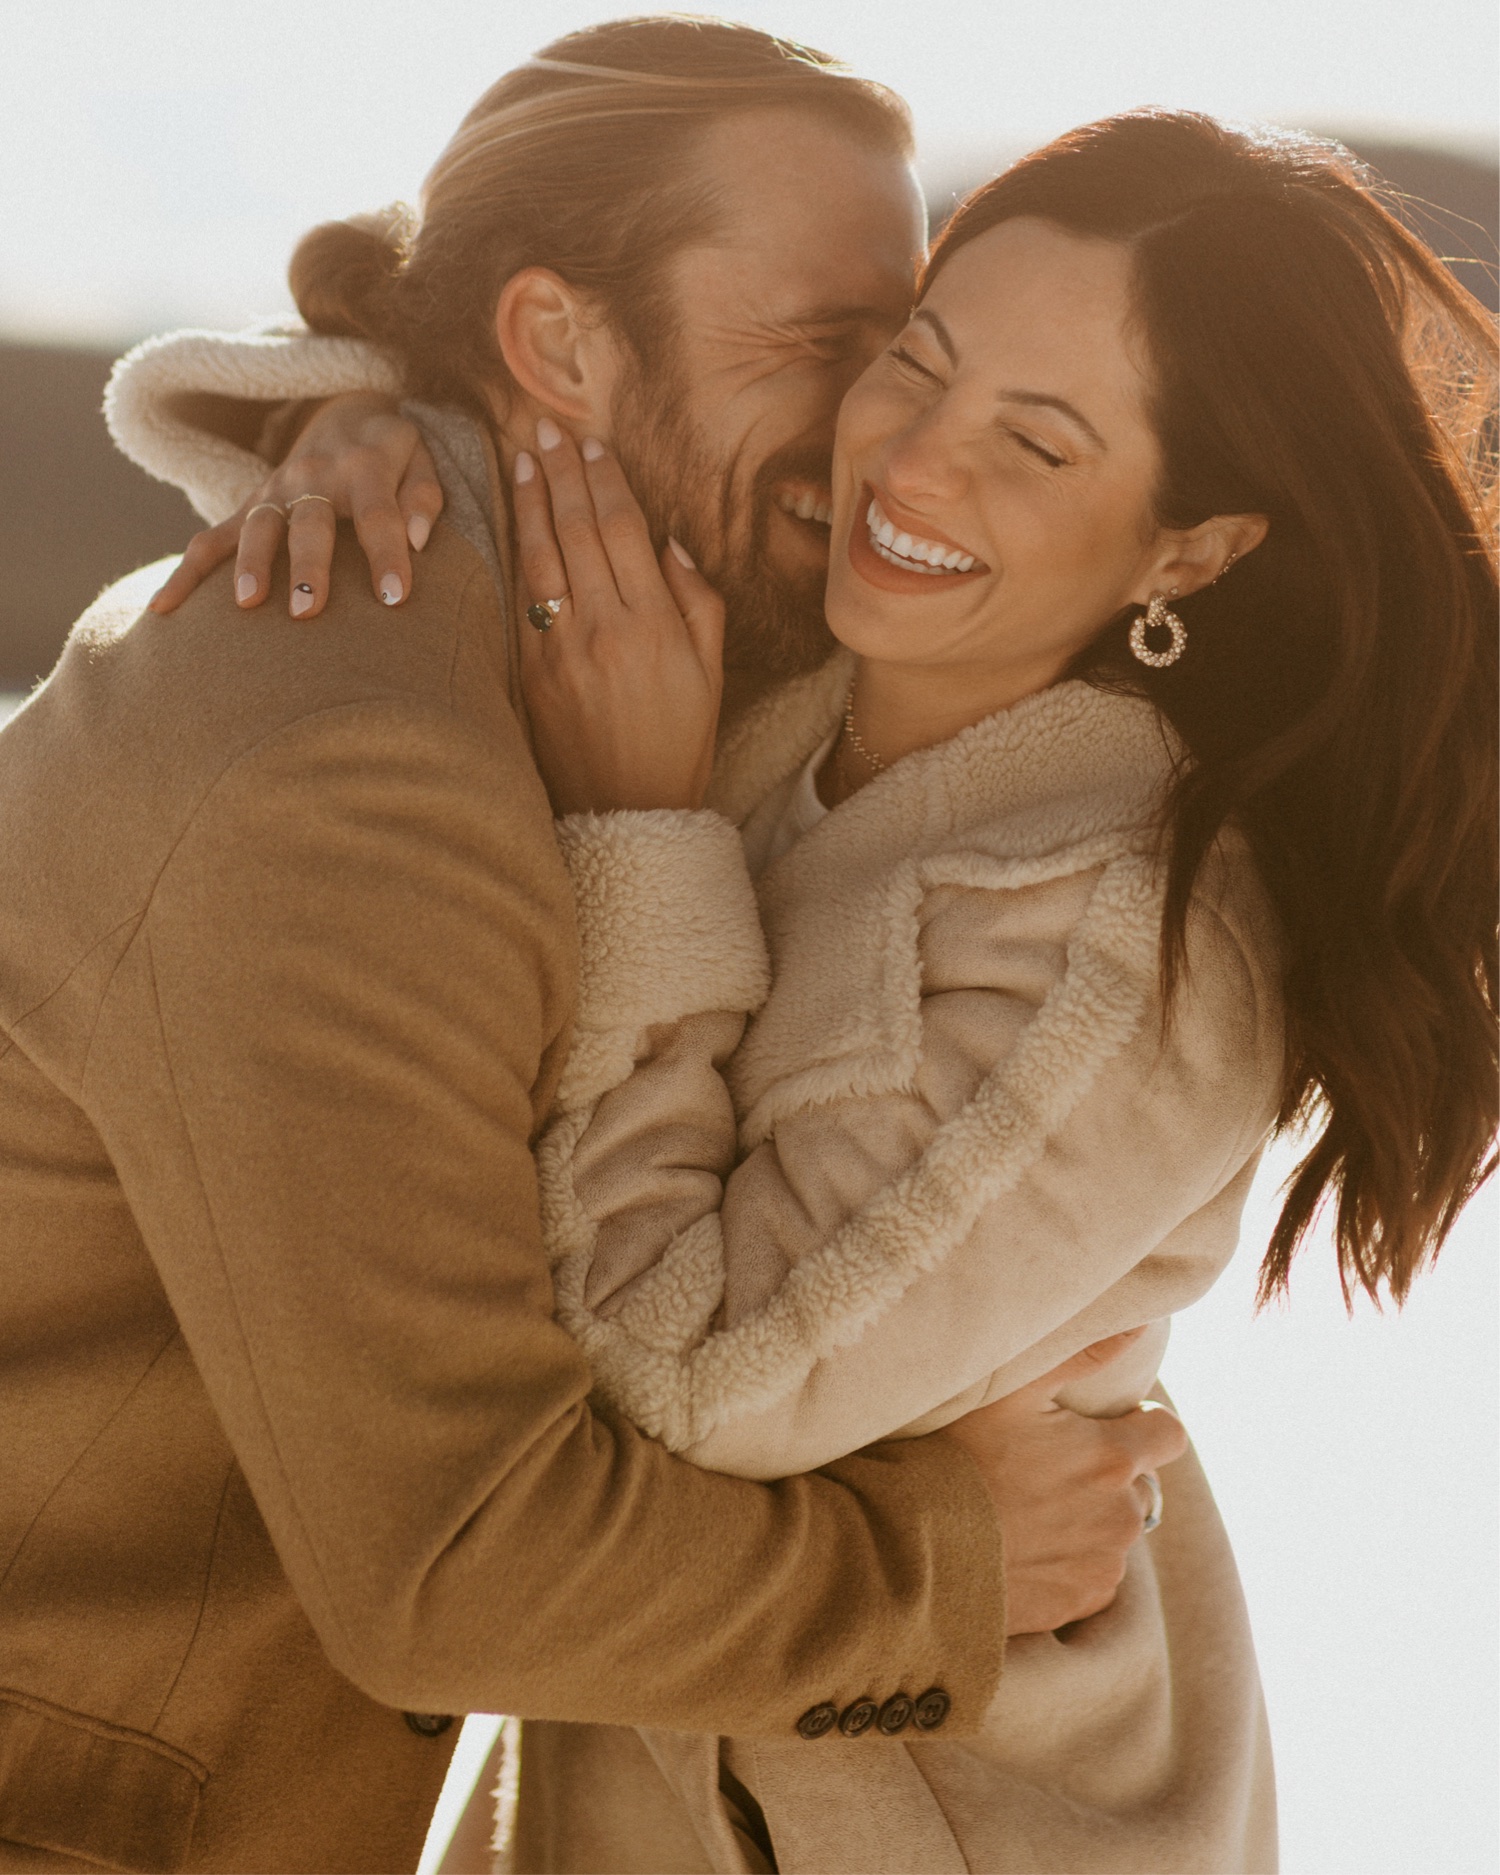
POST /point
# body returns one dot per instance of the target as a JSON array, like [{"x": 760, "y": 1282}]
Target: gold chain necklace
[{"x": 872, "y": 760}]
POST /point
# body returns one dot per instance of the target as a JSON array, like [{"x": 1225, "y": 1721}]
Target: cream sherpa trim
[
  {"x": 652, "y": 1358},
  {"x": 142, "y": 401},
  {"x": 668, "y": 928}
]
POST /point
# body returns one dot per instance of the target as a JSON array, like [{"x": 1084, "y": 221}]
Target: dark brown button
[
  {"x": 931, "y": 1709},
  {"x": 895, "y": 1714},
  {"x": 428, "y": 1724},
  {"x": 858, "y": 1718},
  {"x": 818, "y": 1721}
]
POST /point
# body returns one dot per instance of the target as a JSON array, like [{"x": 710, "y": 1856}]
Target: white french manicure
[
  {"x": 525, "y": 466},
  {"x": 417, "y": 530},
  {"x": 547, "y": 433},
  {"x": 390, "y": 590},
  {"x": 682, "y": 553},
  {"x": 246, "y": 587},
  {"x": 592, "y": 449}
]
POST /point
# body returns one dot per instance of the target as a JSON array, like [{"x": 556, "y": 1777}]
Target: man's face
[{"x": 729, "y": 446}]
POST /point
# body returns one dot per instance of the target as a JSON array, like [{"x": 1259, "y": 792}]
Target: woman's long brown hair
[{"x": 1315, "y": 363}]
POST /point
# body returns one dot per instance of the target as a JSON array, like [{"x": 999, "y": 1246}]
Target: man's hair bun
[{"x": 344, "y": 274}]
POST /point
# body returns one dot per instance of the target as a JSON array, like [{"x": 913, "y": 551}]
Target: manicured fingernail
[
  {"x": 302, "y": 601},
  {"x": 390, "y": 590},
  {"x": 592, "y": 449},
  {"x": 417, "y": 530},
  {"x": 151, "y": 605},
  {"x": 682, "y": 553},
  {"x": 246, "y": 587},
  {"x": 525, "y": 466},
  {"x": 547, "y": 433}
]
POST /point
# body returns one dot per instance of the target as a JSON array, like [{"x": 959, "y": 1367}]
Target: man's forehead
[{"x": 814, "y": 224}]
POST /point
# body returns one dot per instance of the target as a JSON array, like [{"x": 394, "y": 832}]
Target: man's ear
[
  {"x": 558, "y": 350},
  {"x": 1193, "y": 558}
]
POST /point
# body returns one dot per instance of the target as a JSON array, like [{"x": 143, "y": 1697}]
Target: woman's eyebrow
[
  {"x": 1045, "y": 400},
  {"x": 939, "y": 331}
]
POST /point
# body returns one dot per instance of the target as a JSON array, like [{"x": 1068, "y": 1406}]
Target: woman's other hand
[
  {"x": 623, "y": 681},
  {"x": 366, "y": 463}
]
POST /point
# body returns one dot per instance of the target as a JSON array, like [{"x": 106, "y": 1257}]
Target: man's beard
[{"x": 773, "y": 621}]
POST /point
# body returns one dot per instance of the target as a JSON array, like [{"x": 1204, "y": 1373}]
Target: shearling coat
[
  {"x": 290, "y": 1443},
  {"x": 955, "y": 1143}
]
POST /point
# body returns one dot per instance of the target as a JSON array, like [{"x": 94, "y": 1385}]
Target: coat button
[
  {"x": 858, "y": 1718},
  {"x": 428, "y": 1724},
  {"x": 895, "y": 1714},
  {"x": 818, "y": 1721},
  {"x": 931, "y": 1709}
]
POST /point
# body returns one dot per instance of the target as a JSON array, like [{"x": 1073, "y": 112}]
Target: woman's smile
[{"x": 898, "y": 551}]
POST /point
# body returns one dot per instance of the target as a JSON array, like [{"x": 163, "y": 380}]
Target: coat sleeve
[
  {"x": 316, "y": 1070},
  {"x": 873, "y": 1246},
  {"x": 190, "y": 407}
]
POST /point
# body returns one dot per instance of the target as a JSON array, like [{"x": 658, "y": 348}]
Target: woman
[{"x": 1148, "y": 807}]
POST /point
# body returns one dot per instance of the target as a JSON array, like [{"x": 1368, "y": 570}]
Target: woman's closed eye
[
  {"x": 1050, "y": 456},
  {"x": 910, "y": 362}
]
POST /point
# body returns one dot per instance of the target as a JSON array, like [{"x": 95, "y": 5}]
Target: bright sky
[{"x": 159, "y": 159}]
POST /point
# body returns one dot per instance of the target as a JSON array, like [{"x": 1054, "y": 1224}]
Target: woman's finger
[
  {"x": 621, "y": 524},
  {"x": 310, "y": 534},
  {"x": 541, "y": 557},
  {"x": 420, "y": 497},
  {"x": 208, "y": 548},
  {"x": 699, "y": 604},
  {"x": 260, "y": 542},
  {"x": 381, "y": 528},
  {"x": 589, "y": 577}
]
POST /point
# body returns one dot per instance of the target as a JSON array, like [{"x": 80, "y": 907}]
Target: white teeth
[
  {"x": 903, "y": 549},
  {"x": 806, "y": 507}
]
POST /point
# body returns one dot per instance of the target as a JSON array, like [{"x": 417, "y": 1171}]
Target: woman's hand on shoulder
[
  {"x": 623, "y": 671},
  {"x": 357, "y": 460}
]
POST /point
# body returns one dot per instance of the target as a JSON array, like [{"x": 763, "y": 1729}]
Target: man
[{"x": 296, "y": 1463}]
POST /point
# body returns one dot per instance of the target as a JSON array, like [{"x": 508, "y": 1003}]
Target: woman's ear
[
  {"x": 557, "y": 349},
  {"x": 1195, "y": 557}
]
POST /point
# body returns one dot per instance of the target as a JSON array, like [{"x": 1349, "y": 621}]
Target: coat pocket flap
[{"x": 80, "y": 1786}]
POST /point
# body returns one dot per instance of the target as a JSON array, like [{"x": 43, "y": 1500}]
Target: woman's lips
[{"x": 872, "y": 522}]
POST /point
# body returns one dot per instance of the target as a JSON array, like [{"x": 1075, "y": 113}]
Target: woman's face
[{"x": 994, "y": 469}]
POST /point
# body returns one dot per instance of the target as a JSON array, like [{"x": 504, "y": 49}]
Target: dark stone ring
[{"x": 544, "y": 611}]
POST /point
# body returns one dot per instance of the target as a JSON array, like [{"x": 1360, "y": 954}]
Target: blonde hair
[{"x": 575, "y": 161}]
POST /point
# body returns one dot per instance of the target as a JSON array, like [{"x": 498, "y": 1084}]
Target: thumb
[
  {"x": 701, "y": 607},
  {"x": 1086, "y": 1361}
]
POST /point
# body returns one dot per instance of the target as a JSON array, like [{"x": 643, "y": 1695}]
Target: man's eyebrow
[{"x": 843, "y": 316}]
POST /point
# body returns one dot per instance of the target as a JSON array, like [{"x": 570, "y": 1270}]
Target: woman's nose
[{"x": 922, "y": 461}]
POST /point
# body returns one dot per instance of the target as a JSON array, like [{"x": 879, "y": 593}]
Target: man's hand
[{"x": 1066, "y": 1489}]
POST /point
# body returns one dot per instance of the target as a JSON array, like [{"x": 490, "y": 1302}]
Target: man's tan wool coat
[{"x": 290, "y": 1444}]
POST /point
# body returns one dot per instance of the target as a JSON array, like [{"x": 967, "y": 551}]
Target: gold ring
[
  {"x": 296, "y": 498},
  {"x": 274, "y": 506}
]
